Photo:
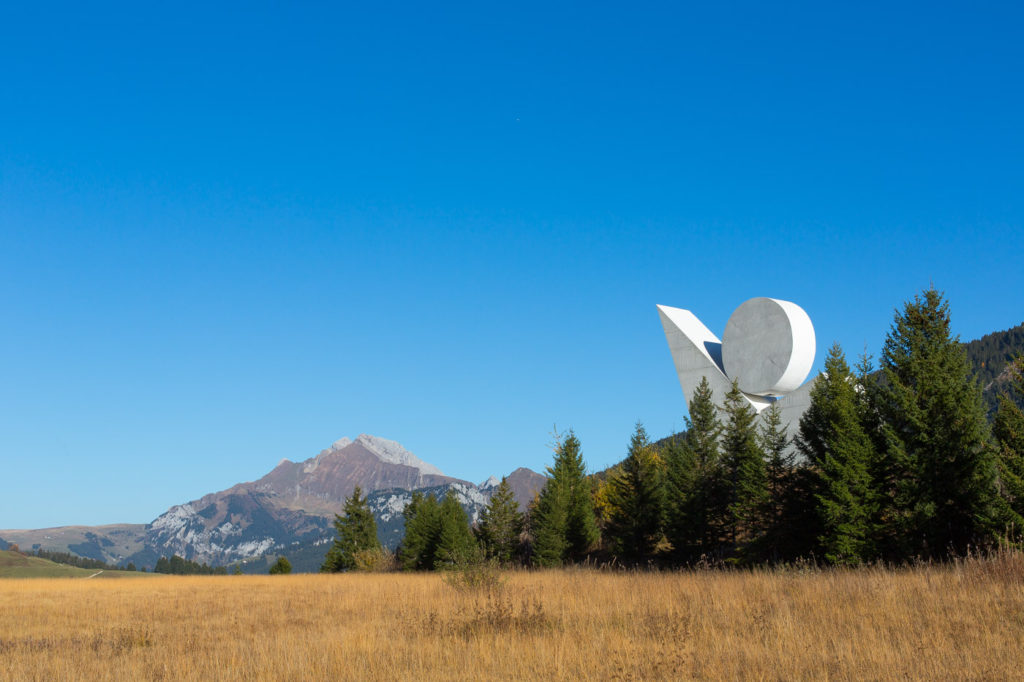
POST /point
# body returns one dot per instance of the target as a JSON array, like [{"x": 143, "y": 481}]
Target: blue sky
[{"x": 235, "y": 233}]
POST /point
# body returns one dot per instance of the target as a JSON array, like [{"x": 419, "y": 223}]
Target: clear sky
[{"x": 233, "y": 233}]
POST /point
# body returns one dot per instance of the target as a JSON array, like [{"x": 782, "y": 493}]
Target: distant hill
[
  {"x": 990, "y": 357},
  {"x": 17, "y": 565}
]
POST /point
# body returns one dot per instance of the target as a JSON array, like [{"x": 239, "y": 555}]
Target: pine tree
[
  {"x": 944, "y": 468},
  {"x": 564, "y": 526},
  {"x": 744, "y": 467},
  {"x": 638, "y": 501},
  {"x": 1008, "y": 429},
  {"x": 500, "y": 525},
  {"x": 455, "y": 543},
  {"x": 357, "y": 531},
  {"x": 281, "y": 567},
  {"x": 840, "y": 453},
  {"x": 422, "y": 532}
]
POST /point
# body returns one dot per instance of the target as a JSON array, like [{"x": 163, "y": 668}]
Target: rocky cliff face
[{"x": 225, "y": 527}]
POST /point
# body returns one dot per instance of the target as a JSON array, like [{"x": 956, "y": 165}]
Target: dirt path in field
[{"x": 94, "y": 574}]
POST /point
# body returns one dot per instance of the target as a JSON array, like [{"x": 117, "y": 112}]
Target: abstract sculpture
[{"x": 767, "y": 348}]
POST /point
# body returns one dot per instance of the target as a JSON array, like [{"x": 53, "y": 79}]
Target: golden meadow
[{"x": 958, "y": 621}]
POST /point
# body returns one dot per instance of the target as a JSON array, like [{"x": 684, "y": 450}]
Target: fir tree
[
  {"x": 782, "y": 513},
  {"x": 564, "y": 526},
  {"x": 422, "y": 532},
  {"x": 744, "y": 467},
  {"x": 500, "y": 525},
  {"x": 455, "y": 543},
  {"x": 281, "y": 567},
  {"x": 638, "y": 500},
  {"x": 694, "y": 479},
  {"x": 840, "y": 453},
  {"x": 357, "y": 531},
  {"x": 944, "y": 468},
  {"x": 680, "y": 477},
  {"x": 548, "y": 523}
]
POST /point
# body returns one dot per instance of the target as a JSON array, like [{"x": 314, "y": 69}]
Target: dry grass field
[{"x": 956, "y": 622}]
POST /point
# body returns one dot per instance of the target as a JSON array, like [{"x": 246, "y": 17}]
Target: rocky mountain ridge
[{"x": 291, "y": 507}]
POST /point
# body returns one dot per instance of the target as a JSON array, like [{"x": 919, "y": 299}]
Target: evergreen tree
[
  {"x": 638, "y": 501},
  {"x": 680, "y": 477},
  {"x": 840, "y": 453},
  {"x": 357, "y": 532},
  {"x": 888, "y": 484},
  {"x": 745, "y": 475},
  {"x": 281, "y": 567},
  {"x": 455, "y": 542},
  {"x": 564, "y": 525},
  {"x": 694, "y": 479},
  {"x": 422, "y": 532},
  {"x": 500, "y": 525},
  {"x": 782, "y": 513},
  {"x": 944, "y": 469},
  {"x": 1008, "y": 429},
  {"x": 548, "y": 523}
]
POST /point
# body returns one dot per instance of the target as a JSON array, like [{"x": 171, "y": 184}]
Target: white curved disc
[{"x": 768, "y": 346}]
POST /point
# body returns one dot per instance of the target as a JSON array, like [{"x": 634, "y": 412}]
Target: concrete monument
[{"x": 768, "y": 348}]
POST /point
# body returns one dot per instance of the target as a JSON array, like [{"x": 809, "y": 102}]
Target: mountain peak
[
  {"x": 393, "y": 452},
  {"x": 492, "y": 482},
  {"x": 340, "y": 443}
]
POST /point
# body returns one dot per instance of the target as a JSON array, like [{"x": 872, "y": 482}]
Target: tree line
[
  {"x": 80, "y": 562},
  {"x": 896, "y": 463},
  {"x": 177, "y": 565}
]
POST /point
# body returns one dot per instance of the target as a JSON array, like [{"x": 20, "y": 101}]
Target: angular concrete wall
[{"x": 768, "y": 348}]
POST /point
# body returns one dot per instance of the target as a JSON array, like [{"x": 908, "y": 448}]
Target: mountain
[
  {"x": 990, "y": 358},
  {"x": 320, "y": 484},
  {"x": 110, "y": 543},
  {"x": 526, "y": 484},
  {"x": 289, "y": 511},
  {"x": 224, "y": 527}
]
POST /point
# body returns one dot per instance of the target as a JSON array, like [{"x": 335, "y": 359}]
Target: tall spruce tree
[
  {"x": 501, "y": 524},
  {"x": 357, "y": 531},
  {"x": 888, "y": 482},
  {"x": 680, "y": 480},
  {"x": 743, "y": 462},
  {"x": 1008, "y": 429},
  {"x": 840, "y": 453},
  {"x": 455, "y": 542},
  {"x": 418, "y": 548},
  {"x": 638, "y": 501},
  {"x": 564, "y": 527},
  {"x": 694, "y": 479},
  {"x": 780, "y": 516},
  {"x": 945, "y": 470}
]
